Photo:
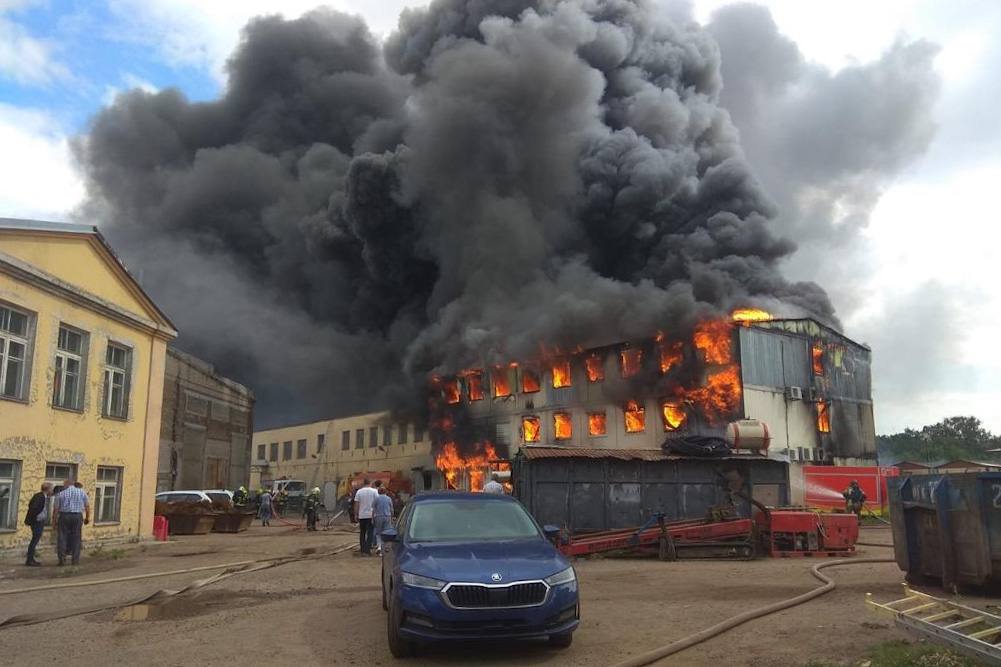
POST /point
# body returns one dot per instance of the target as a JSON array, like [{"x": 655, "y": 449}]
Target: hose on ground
[{"x": 679, "y": 645}]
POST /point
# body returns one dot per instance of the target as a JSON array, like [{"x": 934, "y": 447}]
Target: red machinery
[{"x": 790, "y": 532}]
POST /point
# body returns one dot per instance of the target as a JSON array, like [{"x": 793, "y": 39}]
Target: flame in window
[
  {"x": 562, "y": 425},
  {"x": 502, "y": 381},
  {"x": 529, "y": 381},
  {"x": 713, "y": 338},
  {"x": 674, "y": 415},
  {"x": 635, "y": 417},
  {"x": 561, "y": 373},
  {"x": 824, "y": 417},
  {"x": 596, "y": 423},
  {"x": 450, "y": 388},
  {"x": 530, "y": 428},
  {"x": 670, "y": 356},
  {"x": 631, "y": 358},
  {"x": 595, "y": 367},
  {"x": 817, "y": 353},
  {"x": 474, "y": 382}
]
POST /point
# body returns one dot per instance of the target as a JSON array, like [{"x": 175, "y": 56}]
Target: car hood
[{"x": 479, "y": 561}]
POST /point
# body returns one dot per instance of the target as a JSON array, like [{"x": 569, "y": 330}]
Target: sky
[{"x": 917, "y": 281}]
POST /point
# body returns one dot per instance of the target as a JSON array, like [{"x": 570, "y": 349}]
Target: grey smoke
[{"x": 503, "y": 175}]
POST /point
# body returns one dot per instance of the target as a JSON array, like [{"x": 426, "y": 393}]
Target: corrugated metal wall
[{"x": 773, "y": 359}]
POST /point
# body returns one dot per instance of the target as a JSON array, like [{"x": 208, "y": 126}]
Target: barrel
[{"x": 750, "y": 434}]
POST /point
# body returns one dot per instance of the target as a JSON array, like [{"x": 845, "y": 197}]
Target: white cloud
[
  {"x": 25, "y": 59},
  {"x": 129, "y": 82},
  {"x": 37, "y": 179}
]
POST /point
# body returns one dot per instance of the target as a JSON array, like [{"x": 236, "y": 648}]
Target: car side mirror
[
  {"x": 551, "y": 532},
  {"x": 389, "y": 535}
]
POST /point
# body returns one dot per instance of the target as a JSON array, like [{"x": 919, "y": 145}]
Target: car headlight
[
  {"x": 417, "y": 581},
  {"x": 566, "y": 576}
]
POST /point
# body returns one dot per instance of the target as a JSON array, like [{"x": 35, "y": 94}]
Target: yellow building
[{"x": 82, "y": 354}]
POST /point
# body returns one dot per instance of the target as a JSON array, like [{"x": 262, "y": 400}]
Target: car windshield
[
  {"x": 470, "y": 520},
  {"x": 295, "y": 487}
]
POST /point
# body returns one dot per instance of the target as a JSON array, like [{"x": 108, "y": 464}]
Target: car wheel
[
  {"x": 561, "y": 641},
  {"x": 398, "y": 646},
  {"x": 385, "y": 606}
]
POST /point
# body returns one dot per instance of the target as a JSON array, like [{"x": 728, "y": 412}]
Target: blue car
[{"x": 474, "y": 566}]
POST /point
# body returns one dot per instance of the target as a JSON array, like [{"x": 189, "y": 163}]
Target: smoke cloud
[{"x": 499, "y": 175}]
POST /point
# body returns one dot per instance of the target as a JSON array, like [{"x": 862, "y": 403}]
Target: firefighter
[
  {"x": 310, "y": 507},
  {"x": 240, "y": 497},
  {"x": 281, "y": 500},
  {"x": 854, "y": 498}
]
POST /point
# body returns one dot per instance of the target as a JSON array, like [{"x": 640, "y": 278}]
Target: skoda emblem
[{"x": 496, "y": 576}]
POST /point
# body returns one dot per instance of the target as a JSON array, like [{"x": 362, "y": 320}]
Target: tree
[{"x": 952, "y": 438}]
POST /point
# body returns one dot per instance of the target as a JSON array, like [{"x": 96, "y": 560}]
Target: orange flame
[
  {"x": 530, "y": 428},
  {"x": 631, "y": 358},
  {"x": 451, "y": 390},
  {"x": 747, "y": 315},
  {"x": 529, "y": 381},
  {"x": 635, "y": 417},
  {"x": 501, "y": 378},
  {"x": 817, "y": 352},
  {"x": 719, "y": 398},
  {"x": 671, "y": 355},
  {"x": 596, "y": 423},
  {"x": 674, "y": 415},
  {"x": 562, "y": 426},
  {"x": 714, "y": 339},
  {"x": 474, "y": 381},
  {"x": 452, "y": 464},
  {"x": 824, "y": 417},
  {"x": 561, "y": 373},
  {"x": 595, "y": 367}
]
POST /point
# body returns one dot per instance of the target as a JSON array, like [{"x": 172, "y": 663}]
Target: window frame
[
  {"x": 402, "y": 431},
  {"x": 9, "y": 523},
  {"x": 25, "y": 340},
  {"x": 262, "y": 452},
  {"x": 57, "y": 481},
  {"x": 273, "y": 452},
  {"x": 321, "y": 441},
  {"x": 110, "y": 371},
  {"x": 346, "y": 440},
  {"x": 65, "y": 356},
  {"x": 300, "y": 448},
  {"x": 99, "y": 497},
  {"x": 286, "y": 450},
  {"x": 359, "y": 438},
  {"x": 373, "y": 436}
]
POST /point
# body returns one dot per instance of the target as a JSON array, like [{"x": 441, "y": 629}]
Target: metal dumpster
[{"x": 948, "y": 527}]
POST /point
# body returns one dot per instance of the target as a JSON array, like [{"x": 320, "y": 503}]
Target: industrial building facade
[
  {"x": 82, "y": 354},
  {"x": 206, "y": 427}
]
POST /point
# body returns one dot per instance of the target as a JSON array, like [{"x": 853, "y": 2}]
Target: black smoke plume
[{"x": 501, "y": 174}]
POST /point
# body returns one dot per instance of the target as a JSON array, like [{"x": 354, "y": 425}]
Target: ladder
[{"x": 968, "y": 630}]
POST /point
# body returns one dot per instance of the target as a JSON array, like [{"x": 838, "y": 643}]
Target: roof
[
  {"x": 618, "y": 454},
  {"x": 90, "y": 231},
  {"x": 968, "y": 463}
]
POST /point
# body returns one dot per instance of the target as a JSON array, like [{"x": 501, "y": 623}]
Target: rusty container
[
  {"x": 232, "y": 522},
  {"x": 190, "y": 524}
]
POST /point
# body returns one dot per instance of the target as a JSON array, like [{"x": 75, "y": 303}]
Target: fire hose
[{"x": 679, "y": 645}]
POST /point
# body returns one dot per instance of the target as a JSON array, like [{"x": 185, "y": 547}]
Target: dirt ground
[{"x": 327, "y": 610}]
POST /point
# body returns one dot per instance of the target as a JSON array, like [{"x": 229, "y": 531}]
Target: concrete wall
[
  {"x": 74, "y": 281},
  {"x": 206, "y": 429}
]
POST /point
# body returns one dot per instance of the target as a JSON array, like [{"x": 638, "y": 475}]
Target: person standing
[
  {"x": 310, "y": 507},
  {"x": 35, "y": 519},
  {"x": 382, "y": 515},
  {"x": 70, "y": 513},
  {"x": 364, "y": 506},
  {"x": 494, "y": 485},
  {"x": 264, "y": 508},
  {"x": 854, "y": 498}
]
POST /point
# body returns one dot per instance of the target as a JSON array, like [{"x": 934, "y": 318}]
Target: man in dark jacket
[{"x": 36, "y": 518}]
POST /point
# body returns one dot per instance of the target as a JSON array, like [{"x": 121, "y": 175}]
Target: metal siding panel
[
  {"x": 587, "y": 506},
  {"x": 550, "y": 503},
  {"x": 624, "y": 507},
  {"x": 660, "y": 498}
]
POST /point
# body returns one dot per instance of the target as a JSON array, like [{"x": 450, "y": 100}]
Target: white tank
[{"x": 751, "y": 434}]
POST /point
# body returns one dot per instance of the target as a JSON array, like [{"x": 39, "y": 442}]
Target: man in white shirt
[
  {"x": 494, "y": 485},
  {"x": 364, "y": 505}
]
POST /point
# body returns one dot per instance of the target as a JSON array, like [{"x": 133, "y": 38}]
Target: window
[
  {"x": 300, "y": 449},
  {"x": 817, "y": 356},
  {"x": 561, "y": 374},
  {"x": 220, "y": 411},
  {"x": 824, "y": 417},
  {"x": 360, "y": 438},
  {"x": 56, "y": 474},
  {"x": 373, "y": 436},
  {"x": 562, "y": 426},
  {"x": 474, "y": 384},
  {"x": 530, "y": 429},
  {"x": 68, "y": 385},
  {"x": 674, "y": 415},
  {"x": 418, "y": 433},
  {"x": 196, "y": 405},
  {"x": 262, "y": 452},
  {"x": 501, "y": 379},
  {"x": 345, "y": 440},
  {"x": 107, "y": 499},
  {"x": 671, "y": 355},
  {"x": 631, "y": 359},
  {"x": 13, "y": 353},
  {"x": 8, "y": 494},
  {"x": 595, "y": 367},
  {"x": 597, "y": 423},
  {"x": 274, "y": 452},
  {"x": 118, "y": 361},
  {"x": 450, "y": 390},
  {"x": 320, "y": 441},
  {"x": 529, "y": 381},
  {"x": 401, "y": 434},
  {"x": 287, "y": 450},
  {"x": 387, "y": 435},
  {"x": 635, "y": 417}
]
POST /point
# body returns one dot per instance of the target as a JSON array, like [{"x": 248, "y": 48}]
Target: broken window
[
  {"x": 474, "y": 382},
  {"x": 529, "y": 381},
  {"x": 562, "y": 426},
  {"x": 631, "y": 359},
  {"x": 597, "y": 423},
  {"x": 13, "y": 353},
  {"x": 635, "y": 417},
  {"x": 530, "y": 429},
  {"x": 674, "y": 415},
  {"x": 561, "y": 374},
  {"x": 817, "y": 354},
  {"x": 670, "y": 356},
  {"x": 595, "y": 367},
  {"x": 450, "y": 390},
  {"x": 824, "y": 417},
  {"x": 67, "y": 382},
  {"x": 501, "y": 378}
]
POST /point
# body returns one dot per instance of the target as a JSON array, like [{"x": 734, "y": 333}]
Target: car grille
[{"x": 515, "y": 595}]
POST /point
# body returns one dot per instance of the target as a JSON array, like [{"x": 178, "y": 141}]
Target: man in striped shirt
[{"x": 70, "y": 511}]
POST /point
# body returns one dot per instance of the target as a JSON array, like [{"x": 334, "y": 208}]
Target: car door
[{"x": 391, "y": 551}]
